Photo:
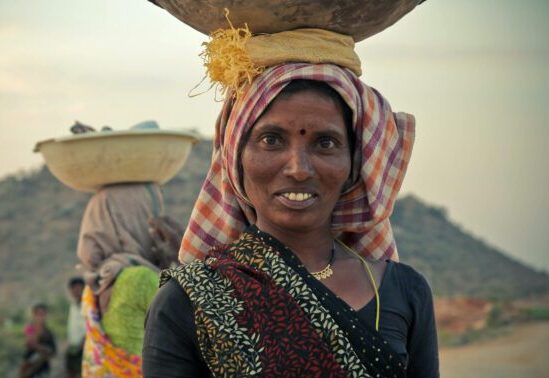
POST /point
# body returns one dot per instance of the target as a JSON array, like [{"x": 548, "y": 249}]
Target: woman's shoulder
[
  {"x": 197, "y": 271},
  {"x": 409, "y": 278},
  {"x": 133, "y": 290},
  {"x": 133, "y": 283},
  {"x": 172, "y": 304},
  {"x": 137, "y": 274},
  {"x": 171, "y": 293},
  {"x": 187, "y": 272}
]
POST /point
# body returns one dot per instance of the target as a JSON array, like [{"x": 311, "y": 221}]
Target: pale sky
[{"x": 474, "y": 73}]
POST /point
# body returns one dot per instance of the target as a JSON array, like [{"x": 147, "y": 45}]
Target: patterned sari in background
[
  {"x": 101, "y": 357},
  {"x": 258, "y": 312}
]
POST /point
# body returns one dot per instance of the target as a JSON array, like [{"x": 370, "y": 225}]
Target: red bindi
[{"x": 302, "y": 132}]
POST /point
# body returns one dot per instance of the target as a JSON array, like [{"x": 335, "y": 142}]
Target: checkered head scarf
[{"x": 361, "y": 216}]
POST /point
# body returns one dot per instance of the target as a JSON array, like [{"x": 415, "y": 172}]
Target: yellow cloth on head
[
  {"x": 233, "y": 57},
  {"x": 304, "y": 45}
]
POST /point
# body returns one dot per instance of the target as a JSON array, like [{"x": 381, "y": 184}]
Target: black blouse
[{"x": 406, "y": 321}]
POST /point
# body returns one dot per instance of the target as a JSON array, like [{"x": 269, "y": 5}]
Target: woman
[
  {"x": 39, "y": 345},
  {"x": 307, "y": 165},
  {"x": 122, "y": 246}
]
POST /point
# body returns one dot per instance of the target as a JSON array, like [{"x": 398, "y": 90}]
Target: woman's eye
[
  {"x": 271, "y": 140},
  {"x": 326, "y": 142}
]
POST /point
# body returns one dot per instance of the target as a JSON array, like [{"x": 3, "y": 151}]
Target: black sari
[{"x": 258, "y": 312}]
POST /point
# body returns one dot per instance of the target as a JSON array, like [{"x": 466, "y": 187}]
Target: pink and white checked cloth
[{"x": 361, "y": 216}]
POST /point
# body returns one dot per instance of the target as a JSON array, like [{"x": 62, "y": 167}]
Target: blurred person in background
[
  {"x": 39, "y": 345},
  {"x": 124, "y": 242},
  {"x": 76, "y": 330}
]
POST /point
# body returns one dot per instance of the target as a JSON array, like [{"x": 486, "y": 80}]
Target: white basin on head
[{"x": 88, "y": 161}]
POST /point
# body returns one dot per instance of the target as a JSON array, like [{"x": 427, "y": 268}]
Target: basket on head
[
  {"x": 88, "y": 161},
  {"x": 359, "y": 19}
]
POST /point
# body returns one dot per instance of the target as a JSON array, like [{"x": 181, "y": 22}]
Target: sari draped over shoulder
[{"x": 258, "y": 312}]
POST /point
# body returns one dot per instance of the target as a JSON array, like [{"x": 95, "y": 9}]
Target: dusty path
[{"x": 522, "y": 353}]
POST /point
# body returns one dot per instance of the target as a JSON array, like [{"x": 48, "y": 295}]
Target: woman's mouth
[
  {"x": 297, "y": 196},
  {"x": 297, "y": 200}
]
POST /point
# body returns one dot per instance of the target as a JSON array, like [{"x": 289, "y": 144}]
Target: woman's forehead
[
  {"x": 303, "y": 106},
  {"x": 323, "y": 93},
  {"x": 302, "y": 101}
]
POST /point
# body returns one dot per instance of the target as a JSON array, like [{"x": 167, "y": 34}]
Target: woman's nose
[{"x": 299, "y": 165}]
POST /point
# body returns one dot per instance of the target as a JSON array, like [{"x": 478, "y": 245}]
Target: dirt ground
[{"x": 524, "y": 352}]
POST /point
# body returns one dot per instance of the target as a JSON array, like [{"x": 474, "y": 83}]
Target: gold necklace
[{"x": 327, "y": 271}]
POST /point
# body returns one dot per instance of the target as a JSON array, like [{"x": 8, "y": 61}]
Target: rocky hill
[
  {"x": 456, "y": 262},
  {"x": 39, "y": 222}
]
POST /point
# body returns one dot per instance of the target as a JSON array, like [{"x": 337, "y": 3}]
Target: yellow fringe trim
[{"x": 227, "y": 61}]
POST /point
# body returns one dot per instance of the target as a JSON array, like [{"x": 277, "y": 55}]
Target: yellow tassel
[{"x": 226, "y": 60}]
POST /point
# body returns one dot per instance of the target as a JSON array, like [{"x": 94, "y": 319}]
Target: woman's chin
[{"x": 294, "y": 223}]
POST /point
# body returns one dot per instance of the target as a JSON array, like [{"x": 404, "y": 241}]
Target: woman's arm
[
  {"x": 170, "y": 348},
  {"x": 422, "y": 336}
]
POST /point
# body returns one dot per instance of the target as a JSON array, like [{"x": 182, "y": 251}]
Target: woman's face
[{"x": 296, "y": 162}]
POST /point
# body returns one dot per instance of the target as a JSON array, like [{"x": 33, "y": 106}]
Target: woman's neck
[{"x": 312, "y": 247}]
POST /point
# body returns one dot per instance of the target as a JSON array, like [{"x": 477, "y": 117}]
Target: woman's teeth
[{"x": 297, "y": 196}]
